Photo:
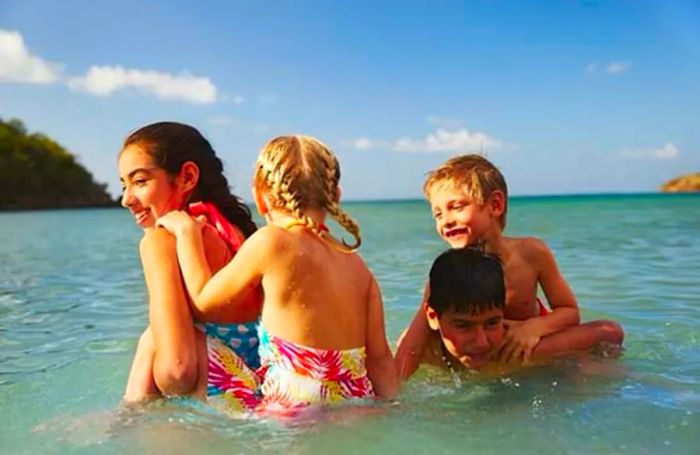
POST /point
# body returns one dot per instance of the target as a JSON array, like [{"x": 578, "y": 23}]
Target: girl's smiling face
[{"x": 148, "y": 190}]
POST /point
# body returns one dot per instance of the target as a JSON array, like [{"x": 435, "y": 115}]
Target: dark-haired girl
[{"x": 170, "y": 166}]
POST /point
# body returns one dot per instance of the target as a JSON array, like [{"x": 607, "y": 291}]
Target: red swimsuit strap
[{"x": 229, "y": 233}]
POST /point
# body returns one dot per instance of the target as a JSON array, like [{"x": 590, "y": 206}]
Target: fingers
[
  {"x": 509, "y": 352},
  {"x": 514, "y": 354},
  {"x": 527, "y": 353},
  {"x": 174, "y": 221}
]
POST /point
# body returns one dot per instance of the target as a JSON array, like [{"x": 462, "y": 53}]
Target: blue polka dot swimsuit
[{"x": 242, "y": 338}]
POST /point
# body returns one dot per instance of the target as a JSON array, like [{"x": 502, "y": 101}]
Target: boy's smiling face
[
  {"x": 459, "y": 220},
  {"x": 472, "y": 339}
]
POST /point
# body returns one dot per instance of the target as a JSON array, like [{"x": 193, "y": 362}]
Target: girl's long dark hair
[{"x": 172, "y": 144}]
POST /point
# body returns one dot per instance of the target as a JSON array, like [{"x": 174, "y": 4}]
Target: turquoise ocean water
[{"x": 72, "y": 304}]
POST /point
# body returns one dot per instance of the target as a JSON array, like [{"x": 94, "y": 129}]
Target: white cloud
[
  {"x": 459, "y": 140},
  {"x": 105, "y": 80},
  {"x": 616, "y": 68},
  {"x": 446, "y": 140},
  {"x": 667, "y": 152},
  {"x": 17, "y": 64},
  {"x": 362, "y": 143},
  {"x": 611, "y": 68}
]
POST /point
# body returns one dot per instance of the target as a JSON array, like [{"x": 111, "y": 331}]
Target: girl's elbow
[{"x": 175, "y": 376}]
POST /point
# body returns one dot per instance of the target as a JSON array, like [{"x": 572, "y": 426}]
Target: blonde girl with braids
[{"x": 322, "y": 335}]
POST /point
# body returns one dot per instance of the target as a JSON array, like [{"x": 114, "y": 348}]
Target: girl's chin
[{"x": 146, "y": 222}]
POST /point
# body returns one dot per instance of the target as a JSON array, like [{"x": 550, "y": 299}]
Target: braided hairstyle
[
  {"x": 300, "y": 173},
  {"x": 173, "y": 144}
]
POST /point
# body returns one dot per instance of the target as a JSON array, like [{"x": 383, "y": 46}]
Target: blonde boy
[{"x": 468, "y": 196}]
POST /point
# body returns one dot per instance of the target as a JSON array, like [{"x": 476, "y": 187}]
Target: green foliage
[{"x": 36, "y": 172}]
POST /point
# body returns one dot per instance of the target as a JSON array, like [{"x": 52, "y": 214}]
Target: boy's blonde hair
[
  {"x": 473, "y": 174},
  {"x": 300, "y": 173}
]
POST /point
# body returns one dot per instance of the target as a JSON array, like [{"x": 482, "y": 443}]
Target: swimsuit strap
[
  {"x": 297, "y": 222},
  {"x": 324, "y": 234}
]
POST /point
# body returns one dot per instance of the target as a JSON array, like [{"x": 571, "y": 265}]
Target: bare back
[{"x": 324, "y": 290}]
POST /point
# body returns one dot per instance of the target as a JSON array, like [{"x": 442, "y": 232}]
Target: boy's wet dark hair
[{"x": 466, "y": 280}]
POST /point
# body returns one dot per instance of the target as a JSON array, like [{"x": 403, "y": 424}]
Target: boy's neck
[{"x": 494, "y": 242}]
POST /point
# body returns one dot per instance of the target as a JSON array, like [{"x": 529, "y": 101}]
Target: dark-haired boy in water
[
  {"x": 468, "y": 196},
  {"x": 465, "y": 312}
]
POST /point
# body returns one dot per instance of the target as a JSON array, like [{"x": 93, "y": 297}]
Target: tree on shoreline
[{"x": 37, "y": 173}]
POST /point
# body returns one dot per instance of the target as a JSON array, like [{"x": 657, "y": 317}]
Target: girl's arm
[
  {"x": 381, "y": 368},
  {"x": 413, "y": 341},
  {"x": 229, "y": 289},
  {"x": 175, "y": 358},
  {"x": 218, "y": 255}
]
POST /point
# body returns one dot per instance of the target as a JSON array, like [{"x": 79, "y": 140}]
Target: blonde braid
[
  {"x": 333, "y": 208},
  {"x": 294, "y": 205},
  {"x": 276, "y": 179},
  {"x": 347, "y": 222},
  {"x": 300, "y": 172}
]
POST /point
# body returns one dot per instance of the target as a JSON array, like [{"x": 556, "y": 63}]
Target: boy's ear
[
  {"x": 188, "y": 177},
  {"x": 497, "y": 203},
  {"x": 432, "y": 317}
]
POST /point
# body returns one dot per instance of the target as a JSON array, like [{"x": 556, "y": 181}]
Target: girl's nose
[{"x": 126, "y": 198}]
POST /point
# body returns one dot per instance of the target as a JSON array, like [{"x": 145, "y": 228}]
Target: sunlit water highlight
[{"x": 72, "y": 304}]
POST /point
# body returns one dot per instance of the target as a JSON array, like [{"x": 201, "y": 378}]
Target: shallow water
[{"x": 72, "y": 304}]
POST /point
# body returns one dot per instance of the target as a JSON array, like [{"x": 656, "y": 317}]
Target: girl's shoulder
[
  {"x": 156, "y": 240},
  {"x": 267, "y": 238}
]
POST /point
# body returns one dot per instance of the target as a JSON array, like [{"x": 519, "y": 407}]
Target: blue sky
[{"x": 566, "y": 97}]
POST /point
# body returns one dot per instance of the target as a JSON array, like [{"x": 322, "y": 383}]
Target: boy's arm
[
  {"x": 561, "y": 298},
  {"x": 413, "y": 340},
  {"x": 381, "y": 368},
  {"x": 580, "y": 338},
  {"x": 523, "y": 336}
]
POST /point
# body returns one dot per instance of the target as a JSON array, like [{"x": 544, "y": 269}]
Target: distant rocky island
[
  {"x": 684, "y": 184},
  {"x": 37, "y": 173}
]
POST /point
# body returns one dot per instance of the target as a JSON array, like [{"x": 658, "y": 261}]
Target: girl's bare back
[{"x": 325, "y": 289}]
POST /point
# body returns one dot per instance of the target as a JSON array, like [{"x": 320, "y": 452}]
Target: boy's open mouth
[{"x": 455, "y": 232}]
